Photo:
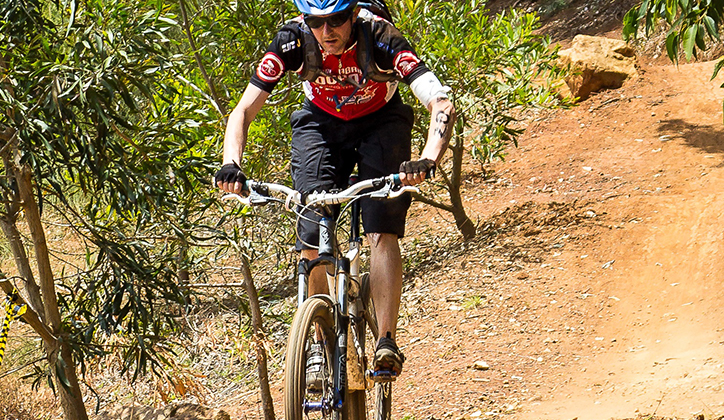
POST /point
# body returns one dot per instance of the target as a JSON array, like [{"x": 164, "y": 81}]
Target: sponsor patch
[
  {"x": 290, "y": 46},
  {"x": 271, "y": 68},
  {"x": 406, "y": 62}
]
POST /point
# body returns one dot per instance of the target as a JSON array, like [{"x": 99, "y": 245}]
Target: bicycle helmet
[{"x": 323, "y": 7}]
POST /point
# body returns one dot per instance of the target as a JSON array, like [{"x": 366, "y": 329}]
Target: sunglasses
[{"x": 334, "y": 21}]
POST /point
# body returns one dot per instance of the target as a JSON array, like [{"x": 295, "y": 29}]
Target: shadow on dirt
[
  {"x": 564, "y": 19},
  {"x": 708, "y": 138},
  {"x": 519, "y": 235}
]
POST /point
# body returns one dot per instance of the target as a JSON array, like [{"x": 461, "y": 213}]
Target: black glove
[
  {"x": 414, "y": 167},
  {"x": 231, "y": 172}
]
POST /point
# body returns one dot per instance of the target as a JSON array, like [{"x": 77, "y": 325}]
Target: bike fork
[{"x": 342, "y": 324}]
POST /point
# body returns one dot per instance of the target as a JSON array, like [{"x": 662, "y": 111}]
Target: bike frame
[{"x": 346, "y": 269}]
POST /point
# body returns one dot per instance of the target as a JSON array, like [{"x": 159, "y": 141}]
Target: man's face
[{"x": 333, "y": 32}]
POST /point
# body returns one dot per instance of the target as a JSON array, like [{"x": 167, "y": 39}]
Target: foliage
[
  {"x": 109, "y": 110},
  {"x": 497, "y": 68},
  {"x": 690, "y": 24}
]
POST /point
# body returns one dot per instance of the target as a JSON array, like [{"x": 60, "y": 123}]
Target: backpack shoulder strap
[
  {"x": 312, "y": 62},
  {"x": 365, "y": 52},
  {"x": 378, "y": 7}
]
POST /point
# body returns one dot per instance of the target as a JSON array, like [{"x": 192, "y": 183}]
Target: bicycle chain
[{"x": 355, "y": 339}]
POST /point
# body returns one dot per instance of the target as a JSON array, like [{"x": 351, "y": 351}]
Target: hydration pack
[
  {"x": 377, "y": 7},
  {"x": 312, "y": 65}
]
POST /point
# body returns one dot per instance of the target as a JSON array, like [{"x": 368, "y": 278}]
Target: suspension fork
[{"x": 341, "y": 327}]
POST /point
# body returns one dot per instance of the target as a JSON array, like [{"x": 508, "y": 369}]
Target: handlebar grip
[{"x": 396, "y": 178}]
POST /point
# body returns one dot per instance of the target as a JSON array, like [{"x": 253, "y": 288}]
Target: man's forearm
[
  {"x": 237, "y": 128},
  {"x": 442, "y": 120},
  {"x": 235, "y": 136}
]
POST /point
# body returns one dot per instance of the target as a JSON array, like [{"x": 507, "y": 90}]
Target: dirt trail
[
  {"x": 595, "y": 290},
  {"x": 668, "y": 354},
  {"x": 664, "y": 284},
  {"x": 612, "y": 305}
]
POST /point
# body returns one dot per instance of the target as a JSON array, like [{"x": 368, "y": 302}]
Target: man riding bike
[{"x": 351, "y": 61}]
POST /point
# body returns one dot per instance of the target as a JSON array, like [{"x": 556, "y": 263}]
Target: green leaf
[
  {"x": 700, "y": 32},
  {"x": 643, "y": 10},
  {"x": 672, "y": 46},
  {"x": 717, "y": 67},
  {"x": 71, "y": 18},
  {"x": 670, "y": 10},
  {"x": 690, "y": 41},
  {"x": 711, "y": 27},
  {"x": 60, "y": 366},
  {"x": 630, "y": 24}
]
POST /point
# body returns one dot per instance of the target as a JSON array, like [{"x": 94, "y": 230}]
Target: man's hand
[
  {"x": 413, "y": 172},
  {"x": 230, "y": 178}
]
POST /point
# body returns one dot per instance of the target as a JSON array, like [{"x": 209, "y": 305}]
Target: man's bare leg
[
  {"x": 386, "y": 275},
  {"x": 317, "y": 279}
]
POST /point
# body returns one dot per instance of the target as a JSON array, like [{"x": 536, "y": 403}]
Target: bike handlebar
[{"x": 259, "y": 192}]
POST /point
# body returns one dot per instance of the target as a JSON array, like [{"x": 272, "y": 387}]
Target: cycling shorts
[{"x": 325, "y": 150}]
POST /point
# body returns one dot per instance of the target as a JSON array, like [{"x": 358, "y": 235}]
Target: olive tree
[
  {"x": 497, "y": 68},
  {"x": 92, "y": 125}
]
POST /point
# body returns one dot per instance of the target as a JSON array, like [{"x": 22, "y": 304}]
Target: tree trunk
[
  {"x": 462, "y": 221},
  {"x": 8, "y": 220},
  {"x": 258, "y": 335},
  {"x": 63, "y": 367},
  {"x": 9, "y": 228}
]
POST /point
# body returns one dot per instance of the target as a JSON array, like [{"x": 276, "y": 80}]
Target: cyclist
[{"x": 351, "y": 61}]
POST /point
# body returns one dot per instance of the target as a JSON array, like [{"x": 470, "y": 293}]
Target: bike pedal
[{"x": 382, "y": 375}]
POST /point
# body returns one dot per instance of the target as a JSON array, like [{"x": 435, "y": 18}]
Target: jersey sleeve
[
  {"x": 394, "y": 52},
  {"x": 285, "y": 53}
]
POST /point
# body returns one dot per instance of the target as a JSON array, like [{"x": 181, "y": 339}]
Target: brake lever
[
  {"x": 398, "y": 192},
  {"x": 390, "y": 191},
  {"x": 253, "y": 199},
  {"x": 243, "y": 200}
]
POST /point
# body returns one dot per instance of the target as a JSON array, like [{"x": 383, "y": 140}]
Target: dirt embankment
[
  {"x": 601, "y": 295},
  {"x": 594, "y": 291}
]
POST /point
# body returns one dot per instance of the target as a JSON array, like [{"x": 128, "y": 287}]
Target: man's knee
[
  {"x": 382, "y": 240},
  {"x": 309, "y": 254}
]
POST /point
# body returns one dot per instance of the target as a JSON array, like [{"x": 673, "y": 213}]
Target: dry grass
[{"x": 18, "y": 402}]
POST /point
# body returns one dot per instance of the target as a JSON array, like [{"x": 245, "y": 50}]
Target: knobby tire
[{"x": 312, "y": 311}]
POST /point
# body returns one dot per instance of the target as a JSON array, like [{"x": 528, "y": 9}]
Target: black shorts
[{"x": 325, "y": 150}]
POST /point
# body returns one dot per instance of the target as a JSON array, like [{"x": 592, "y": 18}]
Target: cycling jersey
[{"x": 391, "y": 52}]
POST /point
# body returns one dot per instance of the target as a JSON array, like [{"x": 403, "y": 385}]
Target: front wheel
[{"x": 313, "y": 325}]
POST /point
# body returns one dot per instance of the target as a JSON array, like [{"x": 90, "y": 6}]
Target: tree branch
[
  {"x": 30, "y": 316},
  {"x": 212, "y": 87},
  {"x": 421, "y": 198}
]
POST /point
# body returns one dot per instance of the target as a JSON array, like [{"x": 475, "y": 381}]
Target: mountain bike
[{"x": 342, "y": 324}]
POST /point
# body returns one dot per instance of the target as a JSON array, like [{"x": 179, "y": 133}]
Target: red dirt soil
[
  {"x": 622, "y": 316},
  {"x": 594, "y": 290}
]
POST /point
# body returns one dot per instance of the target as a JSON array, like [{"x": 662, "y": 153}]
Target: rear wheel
[
  {"x": 375, "y": 402},
  {"x": 313, "y": 323},
  {"x": 383, "y": 401}
]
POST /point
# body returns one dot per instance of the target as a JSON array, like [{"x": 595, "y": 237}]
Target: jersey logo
[
  {"x": 291, "y": 45},
  {"x": 406, "y": 62},
  {"x": 271, "y": 68}
]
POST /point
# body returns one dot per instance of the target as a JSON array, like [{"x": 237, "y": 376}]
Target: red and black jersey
[{"x": 391, "y": 51}]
